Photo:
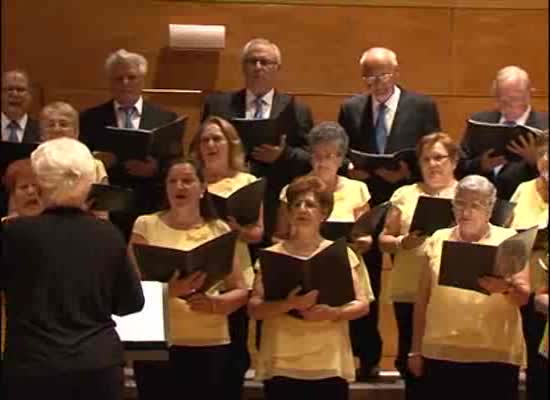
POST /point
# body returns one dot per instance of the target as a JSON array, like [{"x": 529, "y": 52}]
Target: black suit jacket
[
  {"x": 95, "y": 119},
  {"x": 294, "y": 161},
  {"x": 416, "y": 116},
  {"x": 511, "y": 174},
  {"x": 59, "y": 304}
]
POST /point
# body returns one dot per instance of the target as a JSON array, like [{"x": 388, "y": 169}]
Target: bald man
[
  {"x": 385, "y": 119},
  {"x": 512, "y": 90}
]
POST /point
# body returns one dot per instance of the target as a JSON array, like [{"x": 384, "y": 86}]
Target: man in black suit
[
  {"x": 387, "y": 119},
  {"x": 512, "y": 90},
  {"x": 126, "y": 74},
  {"x": 17, "y": 126},
  {"x": 261, "y": 63}
]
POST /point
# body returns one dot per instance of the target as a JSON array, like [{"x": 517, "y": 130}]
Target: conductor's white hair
[
  {"x": 511, "y": 73},
  {"x": 65, "y": 170},
  {"x": 261, "y": 42},
  {"x": 378, "y": 52},
  {"x": 480, "y": 185},
  {"x": 122, "y": 56}
]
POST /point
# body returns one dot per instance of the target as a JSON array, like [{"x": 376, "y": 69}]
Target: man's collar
[
  {"x": 391, "y": 102},
  {"x": 138, "y": 105},
  {"x": 22, "y": 122},
  {"x": 522, "y": 120},
  {"x": 266, "y": 98}
]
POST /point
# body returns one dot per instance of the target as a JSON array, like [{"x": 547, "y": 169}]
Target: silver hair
[
  {"x": 122, "y": 56},
  {"x": 380, "y": 52},
  {"x": 329, "y": 131},
  {"x": 511, "y": 73},
  {"x": 65, "y": 170},
  {"x": 478, "y": 184},
  {"x": 263, "y": 42}
]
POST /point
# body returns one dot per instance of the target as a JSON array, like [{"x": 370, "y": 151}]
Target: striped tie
[
  {"x": 258, "y": 111},
  {"x": 13, "y": 127},
  {"x": 380, "y": 128}
]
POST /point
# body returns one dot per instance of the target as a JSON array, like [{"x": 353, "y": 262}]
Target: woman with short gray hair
[
  {"x": 467, "y": 344},
  {"x": 65, "y": 273}
]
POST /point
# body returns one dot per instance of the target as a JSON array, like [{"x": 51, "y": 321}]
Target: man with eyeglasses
[
  {"x": 17, "y": 126},
  {"x": 512, "y": 90},
  {"x": 261, "y": 63},
  {"x": 386, "y": 119}
]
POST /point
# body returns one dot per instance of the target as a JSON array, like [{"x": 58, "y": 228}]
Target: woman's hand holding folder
[
  {"x": 302, "y": 302},
  {"x": 183, "y": 287}
]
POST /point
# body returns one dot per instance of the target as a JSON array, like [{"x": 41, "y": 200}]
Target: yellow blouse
[
  {"x": 467, "y": 326},
  {"x": 187, "y": 327},
  {"x": 100, "y": 172},
  {"x": 350, "y": 195},
  {"x": 225, "y": 188},
  {"x": 406, "y": 271},
  {"x": 531, "y": 210},
  {"x": 309, "y": 350}
]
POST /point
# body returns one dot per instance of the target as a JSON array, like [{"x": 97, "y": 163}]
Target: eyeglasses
[
  {"x": 460, "y": 206},
  {"x": 264, "y": 62},
  {"x": 326, "y": 156},
  {"x": 438, "y": 158},
  {"x": 385, "y": 77}
]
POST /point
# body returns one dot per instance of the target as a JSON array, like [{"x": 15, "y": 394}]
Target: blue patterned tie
[
  {"x": 258, "y": 112},
  {"x": 128, "y": 112},
  {"x": 12, "y": 132},
  {"x": 380, "y": 128}
]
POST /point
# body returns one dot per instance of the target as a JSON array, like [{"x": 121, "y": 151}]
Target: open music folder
[
  {"x": 463, "y": 263},
  {"x": 164, "y": 141},
  {"x": 328, "y": 272},
  {"x": 10, "y": 152},
  {"x": 373, "y": 161},
  {"x": 214, "y": 258},
  {"x": 431, "y": 214},
  {"x": 110, "y": 198},
  {"x": 243, "y": 204},
  {"x": 149, "y": 328},
  {"x": 367, "y": 224},
  {"x": 483, "y": 136}
]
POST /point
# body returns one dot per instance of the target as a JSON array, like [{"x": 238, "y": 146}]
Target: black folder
[
  {"x": 368, "y": 223},
  {"x": 164, "y": 141},
  {"x": 328, "y": 272},
  {"x": 243, "y": 204},
  {"x": 431, "y": 214},
  {"x": 110, "y": 198},
  {"x": 255, "y": 132},
  {"x": 483, "y": 136},
  {"x": 10, "y": 152},
  {"x": 463, "y": 263},
  {"x": 372, "y": 161},
  {"x": 215, "y": 258}
]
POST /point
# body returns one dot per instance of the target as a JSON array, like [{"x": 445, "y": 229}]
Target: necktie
[
  {"x": 12, "y": 132},
  {"x": 258, "y": 112},
  {"x": 380, "y": 128},
  {"x": 128, "y": 112}
]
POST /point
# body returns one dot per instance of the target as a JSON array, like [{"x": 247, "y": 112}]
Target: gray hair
[
  {"x": 511, "y": 73},
  {"x": 261, "y": 42},
  {"x": 65, "y": 170},
  {"x": 329, "y": 131},
  {"x": 122, "y": 56},
  {"x": 478, "y": 184},
  {"x": 378, "y": 52}
]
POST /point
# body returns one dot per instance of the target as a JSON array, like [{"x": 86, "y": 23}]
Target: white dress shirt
[
  {"x": 136, "y": 115},
  {"x": 22, "y": 122},
  {"x": 267, "y": 103},
  {"x": 391, "y": 109}
]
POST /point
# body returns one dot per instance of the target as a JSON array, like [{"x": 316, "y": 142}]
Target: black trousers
[
  {"x": 104, "y": 384},
  {"x": 539, "y": 379},
  {"x": 404, "y": 318},
  {"x": 191, "y": 370},
  {"x": 365, "y": 337},
  {"x": 282, "y": 388},
  {"x": 239, "y": 360},
  {"x": 472, "y": 381},
  {"x": 533, "y": 324}
]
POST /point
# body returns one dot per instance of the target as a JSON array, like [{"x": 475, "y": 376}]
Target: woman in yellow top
[
  {"x": 531, "y": 208},
  {"x": 468, "y": 345},
  {"x": 438, "y": 155},
  {"x": 218, "y": 147},
  {"x": 199, "y": 332},
  {"x": 309, "y": 358}
]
